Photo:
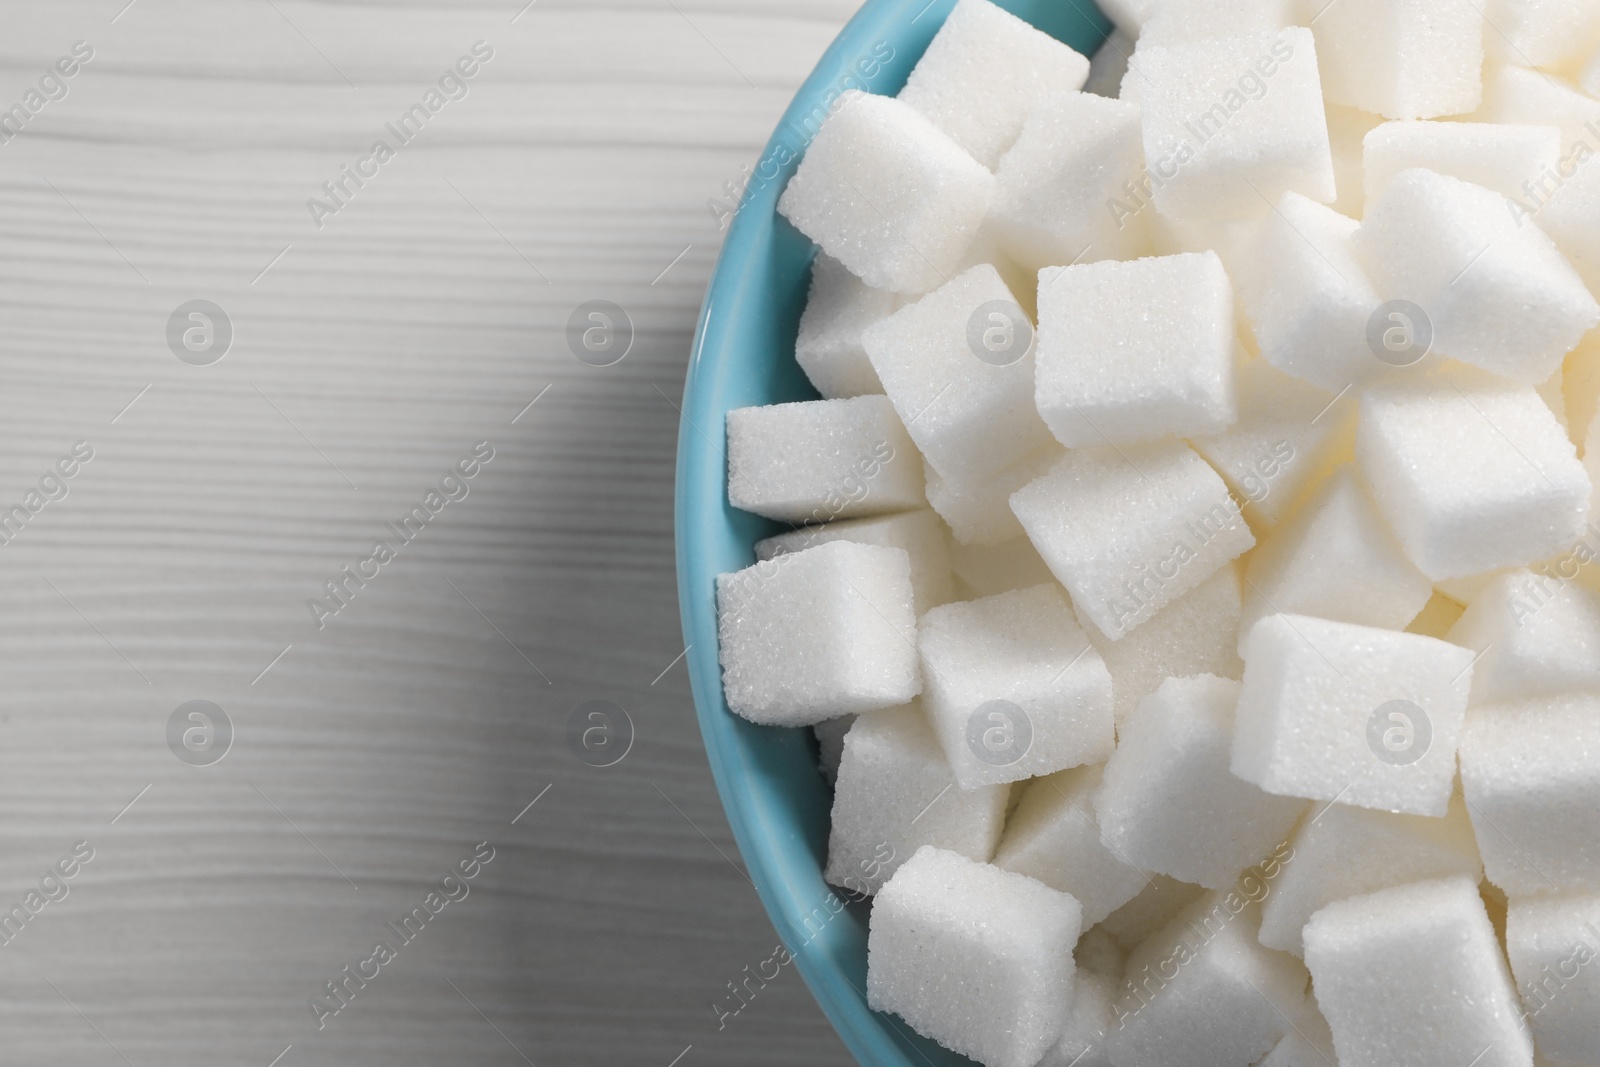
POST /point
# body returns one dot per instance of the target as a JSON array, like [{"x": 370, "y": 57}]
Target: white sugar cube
[
  {"x": 1542, "y": 33},
  {"x": 1309, "y": 297},
  {"x": 1498, "y": 157},
  {"x": 983, "y": 73},
  {"x": 1192, "y": 635},
  {"x": 1342, "y": 852},
  {"x": 1402, "y": 59},
  {"x": 888, "y": 194},
  {"x": 1519, "y": 96},
  {"x": 1536, "y": 633},
  {"x": 977, "y": 958},
  {"x": 1157, "y": 904},
  {"x": 1228, "y": 237},
  {"x": 1055, "y": 837},
  {"x": 1203, "y": 990},
  {"x": 1130, "y": 530},
  {"x": 1013, "y": 687},
  {"x": 1554, "y": 945},
  {"x": 919, "y": 533},
  {"x": 1268, "y": 456},
  {"x": 1336, "y": 559},
  {"x": 1532, "y": 782},
  {"x": 964, "y": 394},
  {"x": 1414, "y": 975},
  {"x": 894, "y": 795},
  {"x": 818, "y": 634},
  {"x": 978, "y": 509},
  {"x": 822, "y": 459},
  {"x": 1176, "y": 22},
  {"x": 1498, "y": 294},
  {"x": 829, "y": 735},
  {"x": 1473, "y": 474},
  {"x": 1083, "y": 1042},
  {"x": 1569, "y": 213},
  {"x": 828, "y": 348},
  {"x": 1061, "y": 191},
  {"x": 1132, "y": 352},
  {"x": 1334, "y": 711},
  {"x": 985, "y": 570},
  {"x": 1169, "y": 803},
  {"x": 1229, "y": 121}
]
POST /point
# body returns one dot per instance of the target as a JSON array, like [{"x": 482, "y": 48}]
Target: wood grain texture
[{"x": 370, "y": 354}]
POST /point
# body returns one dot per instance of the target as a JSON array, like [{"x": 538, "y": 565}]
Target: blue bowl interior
[{"x": 776, "y": 800}]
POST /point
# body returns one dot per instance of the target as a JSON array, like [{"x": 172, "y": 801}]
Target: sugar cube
[
  {"x": 1568, "y": 211},
  {"x": 1473, "y": 474},
  {"x": 919, "y": 533},
  {"x": 1554, "y": 945},
  {"x": 1157, "y": 904},
  {"x": 1532, "y": 781},
  {"x": 1342, "y": 851},
  {"x": 1133, "y": 352},
  {"x": 983, "y": 72},
  {"x": 1402, "y": 59},
  {"x": 978, "y": 509},
  {"x": 894, "y": 795},
  {"x": 1334, "y": 711},
  {"x": 1230, "y": 121},
  {"x": 1497, "y": 294},
  {"x": 1007, "y": 937},
  {"x": 1269, "y": 455},
  {"x": 1517, "y": 95},
  {"x": 1083, "y": 1043},
  {"x": 822, "y": 459},
  {"x": 888, "y": 194},
  {"x": 1168, "y": 802},
  {"x": 1535, "y": 633},
  {"x": 1128, "y": 531},
  {"x": 1309, "y": 297},
  {"x": 1060, "y": 190},
  {"x": 1414, "y": 975},
  {"x": 1192, "y": 635},
  {"x": 1055, "y": 837},
  {"x": 818, "y": 634},
  {"x": 1182, "y": 21},
  {"x": 958, "y": 366},
  {"x": 1336, "y": 559},
  {"x": 985, "y": 570},
  {"x": 1013, "y": 687},
  {"x": 828, "y": 347},
  {"x": 1542, "y": 33},
  {"x": 1503, "y": 158},
  {"x": 1203, "y": 990}
]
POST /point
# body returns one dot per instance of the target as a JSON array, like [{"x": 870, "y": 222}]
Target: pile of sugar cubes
[{"x": 1191, "y": 575}]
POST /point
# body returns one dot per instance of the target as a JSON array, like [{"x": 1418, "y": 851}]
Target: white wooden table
[{"x": 370, "y": 754}]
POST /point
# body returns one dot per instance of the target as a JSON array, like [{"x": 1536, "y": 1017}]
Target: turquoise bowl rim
[{"x": 743, "y": 354}]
